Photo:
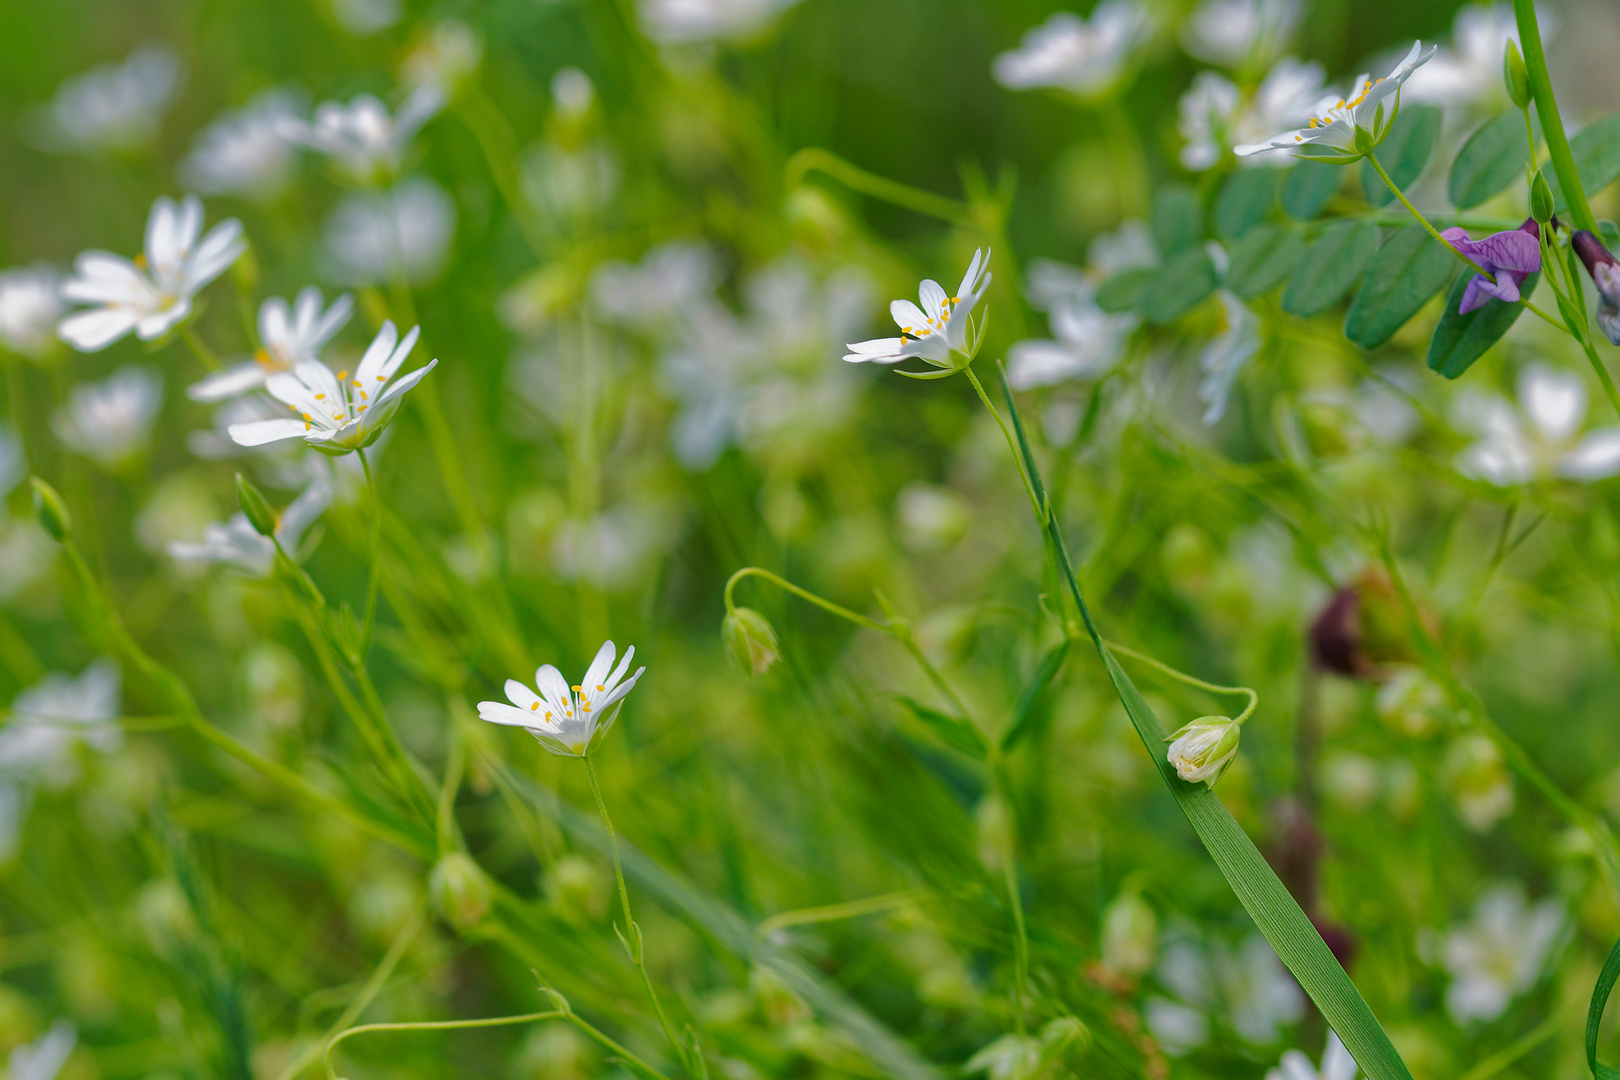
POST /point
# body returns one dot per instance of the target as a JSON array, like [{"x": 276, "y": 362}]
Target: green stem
[
  {"x": 632, "y": 940},
  {"x": 200, "y": 348},
  {"x": 1128, "y": 156},
  {"x": 803, "y": 594},
  {"x": 814, "y": 159},
  {"x": 376, "y": 555},
  {"x": 850, "y": 909},
  {"x": 1552, "y": 125},
  {"x": 1372, "y": 159},
  {"x": 1181, "y": 676},
  {"x": 1035, "y": 503},
  {"x": 1020, "y": 993}
]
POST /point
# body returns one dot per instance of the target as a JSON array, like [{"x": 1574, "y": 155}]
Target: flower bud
[
  {"x": 51, "y": 511},
  {"x": 1202, "y": 750},
  {"x": 1515, "y": 75},
  {"x": 254, "y": 507},
  {"x": 1130, "y": 935},
  {"x": 1479, "y": 782},
  {"x": 1606, "y": 276},
  {"x": 460, "y": 891},
  {"x": 750, "y": 642},
  {"x": 1541, "y": 199}
]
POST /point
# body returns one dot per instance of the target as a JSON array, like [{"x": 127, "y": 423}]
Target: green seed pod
[
  {"x": 460, "y": 890},
  {"x": 51, "y": 511},
  {"x": 1541, "y": 199},
  {"x": 750, "y": 642},
  {"x": 1516, "y": 75},
  {"x": 254, "y": 506}
]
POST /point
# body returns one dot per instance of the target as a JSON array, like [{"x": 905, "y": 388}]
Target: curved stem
[
  {"x": 1182, "y": 676},
  {"x": 199, "y": 348},
  {"x": 1423, "y": 221},
  {"x": 815, "y": 159},
  {"x": 437, "y": 1025},
  {"x": 632, "y": 939},
  {"x": 803, "y": 594}
]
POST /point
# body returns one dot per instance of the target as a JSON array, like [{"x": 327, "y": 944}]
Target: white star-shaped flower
[
  {"x": 1082, "y": 56},
  {"x": 1508, "y": 451},
  {"x": 151, "y": 294},
  {"x": 339, "y": 414},
  {"x": 568, "y": 721},
  {"x": 935, "y": 330},
  {"x": 362, "y": 136},
  {"x": 289, "y": 336},
  {"x": 1331, "y": 132}
]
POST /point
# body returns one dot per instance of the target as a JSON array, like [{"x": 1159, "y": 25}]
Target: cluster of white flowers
[
  {"x": 1246, "y": 986},
  {"x": 1498, "y": 954},
  {"x": 1085, "y": 57},
  {"x": 115, "y": 107}
]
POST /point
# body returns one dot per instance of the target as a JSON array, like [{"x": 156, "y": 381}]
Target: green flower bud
[
  {"x": 460, "y": 890},
  {"x": 1541, "y": 199},
  {"x": 254, "y": 506},
  {"x": 1203, "y": 749},
  {"x": 750, "y": 642},
  {"x": 51, "y": 511},
  {"x": 1516, "y": 75},
  {"x": 1130, "y": 935}
]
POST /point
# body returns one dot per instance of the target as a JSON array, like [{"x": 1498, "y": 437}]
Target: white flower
[
  {"x": 671, "y": 22},
  {"x": 152, "y": 294},
  {"x": 1240, "y": 33},
  {"x": 1214, "y": 115},
  {"x": 1128, "y": 247},
  {"x": 1179, "y": 1029},
  {"x": 289, "y": 336},
  {"x": 244, "y": 151},
  {"x": 1331, "y": 132},
  {"x": 1224, "y": 358},
  {"x": 376, "y": 237},
  {"x": 1337, "y": 1064},
  {"x": 445, "y": 57},
  {"x": 1082, "y": 56},
  {"x": 612, "y": 549},
  {"x": 1261, "y": 997},
  {"x": 568, "y": 722},
  {"x": 570, "y": 181},
  {"x": 13, "y": 461},
  {"x": 572, "y": 92},
  {"x": 1499, "y": 954},
  {"x": 237, "y": 543},
  {"x": 114, "y": 106},
  {"x": 669, "y": 281},
  {"x": 1479, "y": 782},
  {"x": 1202, "y": 749},
  {"x": 365, "y": 17},
  {"x": 339, "y": 414},
  {"x": 1470, "y": 69},
  {"x": 110, "y": 420},
  {"x": 937, "y": 329},
  {"x": 43, "y": 1058},
  {"x": 1088, "y": 341},
  {"x": 1510, "y": 452},
  {"x": 30, "y": 305},
  {"x": 361, "y": 136},
  {"x": 49, "y": 720}
]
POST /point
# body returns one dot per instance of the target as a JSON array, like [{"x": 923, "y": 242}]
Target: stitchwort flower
[
  {"x": 289, "y": 336},
  {"x": 1337, "y": 1064},
  {"x": 1240, "y": 33},
  {"x": 1509, "y": 257},
  {"x": 30, "y": 305},
  {"x": 243, "y": 152},
  {"x": 936, "y": 330},
  {"x": 152, "y": 293},
  {"x": 110, "y": 420},
  {"x": 1345, "y": 130},
  {"x": 362, "y": 136},
  {"x": 1509, "y": 451},
  {"x": 568, "y": 721},
  {"x": 1202, "y": 750},
  {"x": 1083, "y": 56},
  {"x": 339, "y": 414}
]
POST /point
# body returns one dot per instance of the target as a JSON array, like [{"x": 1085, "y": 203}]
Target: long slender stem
[
  {"x": 1015, "y": 898},
  {"x": 1012, "y": 444},
  {"x": 200, "y": 348},
  {"x": 814, "y": 159},
  {"x": 1552, "y": 125},
  {"x": 804, "y": 594},
  {"x": 633, "y": 941},
  {"x": 376, "y": 554},
  {"x": 1182, "y": 676},
  {"x": 1423, "y": 221}
]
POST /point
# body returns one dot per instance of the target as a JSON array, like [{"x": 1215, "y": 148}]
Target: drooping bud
[
  {"x": 1516, "y": 75},
  {"x": 1606, "y": 276},
  {"x": 460, "y": 890},
  {"x": 254, "y": 507},
  {"x": 51, "y": 511},
  {"x": 1541, "y": 199},
  {"x": 1202, "y": 750},
  {"x": 750, "y": 642}
]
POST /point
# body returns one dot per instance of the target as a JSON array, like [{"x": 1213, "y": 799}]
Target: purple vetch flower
[
  {"x": 1510, "y": 257},
  {"x": 1605, "y": 271}
]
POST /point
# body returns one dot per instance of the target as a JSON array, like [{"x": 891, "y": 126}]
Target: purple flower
[
  {"x": 1510, "y": 257},
  {"x": 1605, "y": 271}
]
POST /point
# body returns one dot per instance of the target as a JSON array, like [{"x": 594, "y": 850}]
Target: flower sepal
[{"x": 1204, "y": 749}]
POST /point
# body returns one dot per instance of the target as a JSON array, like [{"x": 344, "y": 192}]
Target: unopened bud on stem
[
  {"x": 1541, "y": 198},
  {"x": 461, "y": 892},
  {"x": 51, "y": 511},
  {"x": 1202, "y": 750},
  {"x": 254, "y": 507},
  {"x": 750, "y": 642},
  {"x": 1516, "y": 75}
]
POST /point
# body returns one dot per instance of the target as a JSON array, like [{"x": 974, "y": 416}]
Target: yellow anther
[
  {"x": 263, "y": 358},
  {"x": 320, "y": 397},
  {"x": 535, "y": 707},
  {"x": 586, "y": 707},
  {"x": 599, "y": 689},
  {"x": 576, "y": 689},
  {"x": 344, "y": 374},
  {"x": 140, "y": 260},
  {"x": 306, "y": 416}
]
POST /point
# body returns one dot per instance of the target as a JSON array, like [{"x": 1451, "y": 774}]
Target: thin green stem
[
  {"x": 1548, "y": 319},
  {"x": 633, "y": 940},
  {"x": 376, "y": 554},
  {"x": 850, "y": 909},
  {"x": 803, "y": 594},
  {"x": 1012, "y": 444},
  {"x": 1182, "y": 676},
  {"x": 437, "y": 1025},
  {"x": 199, "y": 348},
  {"x": 815, "y": 159},
  {"x": 1423, "y": 221},
  {"x": 1552, "y": 125},
  {"x": 1020, "y": 992}
]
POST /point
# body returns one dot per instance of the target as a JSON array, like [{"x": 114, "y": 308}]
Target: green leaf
[
  {"x": 1594, "y": 1014},
  {"x": 1596, "y": 149},
  {"x": 1307, "y": 187},
  {"x": 1262, "y": 259},
  {"x": 1178, "y": 219},
  {"x": 1403, "y": 154},
  {"x": 1263, "y": 896},
  {"x": 1025, "y": 713},
  {"x": 1244, "y": 201},
  {"x": 1459, "y": 340},
  {"x": 953, "y": 731},
  {"x": 1331, "y": 267},
  {"x": 1491, "y": 159},
  {"x": 1124, "y": 290},
  {"x": 1180, "y": 286},
  {"x": 1410, "y": 268}
]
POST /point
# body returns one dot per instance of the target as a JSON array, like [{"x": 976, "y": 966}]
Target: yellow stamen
[
  {"x": 344, "y": 374},
  {"x": 140, "y": 260},
  {"x": 535, "y": 707},
  {"x": 599, "y": 689},
  {"x": 264, "y": 359}
]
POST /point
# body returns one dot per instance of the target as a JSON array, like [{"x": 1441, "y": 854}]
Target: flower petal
[{"x": 259, "y": 432}]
